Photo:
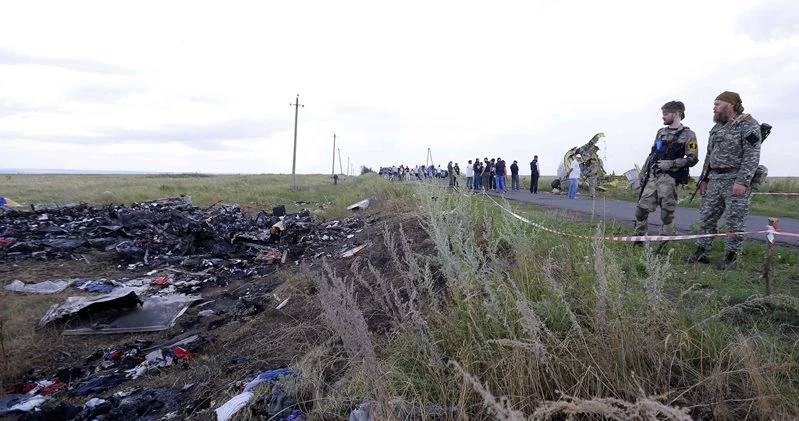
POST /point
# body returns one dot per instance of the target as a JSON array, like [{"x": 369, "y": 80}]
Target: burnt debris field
[{"x": 166, "y": 310}]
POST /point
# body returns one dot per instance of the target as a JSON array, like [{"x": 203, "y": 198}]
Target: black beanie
[{"x": 673, "y": 107}]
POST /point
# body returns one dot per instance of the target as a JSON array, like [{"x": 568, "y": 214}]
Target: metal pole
[
  {"x": 340, "y": 167},
  {"x": 294, "y": 159},
  {"x": 348, "y": 165},
  {"x": 769, "y": 257},
  {"x": 333, "y": 170}
]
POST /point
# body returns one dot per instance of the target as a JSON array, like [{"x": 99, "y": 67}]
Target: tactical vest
[{"x": 668, "y": 147}]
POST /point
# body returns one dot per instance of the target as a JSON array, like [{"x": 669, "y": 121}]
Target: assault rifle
[
  {"x": 646, "y": 178},
  {"x": 765, "y": 130}
]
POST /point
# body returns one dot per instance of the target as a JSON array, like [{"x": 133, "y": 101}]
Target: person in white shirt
[
  {"x": 574, "y": 176},
  {"x": 469, "y": 176}
]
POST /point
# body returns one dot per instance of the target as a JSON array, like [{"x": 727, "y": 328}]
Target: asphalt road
[{"x": 624, "y": 212}]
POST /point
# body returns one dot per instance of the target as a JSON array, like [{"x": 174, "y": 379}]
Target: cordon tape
[{"x": 770, "y": 231}]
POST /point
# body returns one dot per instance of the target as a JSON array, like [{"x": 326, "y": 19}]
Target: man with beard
[
  {"x": 733, "y": 154},
  {"x": 674, "y": 151}
]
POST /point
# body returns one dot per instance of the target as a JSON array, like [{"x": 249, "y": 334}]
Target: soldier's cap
[
  {"x": 674, "y": 107},
  {"x": 732, "y": 98}
]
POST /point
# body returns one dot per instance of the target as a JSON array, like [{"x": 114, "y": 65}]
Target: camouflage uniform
[
  {"x": 661, "y": 186},
  {"x": 733, "y": 154}
]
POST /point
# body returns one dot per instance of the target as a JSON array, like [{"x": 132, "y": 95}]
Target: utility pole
[
  {"x": 296, "y": 106},
  {"x": 333, "y": 170},
  {"x": 340, "y": 167},
  {"x": 348, "y": 165},
  {"x": 429, "y": 157}
]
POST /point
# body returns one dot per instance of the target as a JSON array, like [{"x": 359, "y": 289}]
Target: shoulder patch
[
  {"x": 752, "y": 138},
  {"x": 692, "y": 147}
]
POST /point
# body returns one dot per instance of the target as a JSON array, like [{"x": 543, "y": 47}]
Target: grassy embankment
[{"x": 554, "y": 324}]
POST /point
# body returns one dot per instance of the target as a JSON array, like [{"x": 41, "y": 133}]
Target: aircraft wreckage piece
[{"x": 121, "y": 311}]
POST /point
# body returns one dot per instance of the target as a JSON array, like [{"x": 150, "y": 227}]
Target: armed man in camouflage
[
  {"x": 674, "y": 151},
  {"x": 733, "y": 154}
]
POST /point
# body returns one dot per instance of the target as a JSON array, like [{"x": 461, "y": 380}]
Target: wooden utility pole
[
  {"x": 340, "y": 167},
  {"x": 296, "y": 106},
  {"x": 333, "y": 170}
]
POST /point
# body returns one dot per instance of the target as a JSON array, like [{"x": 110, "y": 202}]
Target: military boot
[
  {"x": 699, "y": 257},
  {"x": 729, "y": 262}
]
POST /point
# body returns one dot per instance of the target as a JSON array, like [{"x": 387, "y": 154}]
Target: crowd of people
[
  {"x": 419, "y": 172},
  {"x": 490, "y": 174}
]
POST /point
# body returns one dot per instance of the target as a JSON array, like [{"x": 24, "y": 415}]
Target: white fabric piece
[{"x": 226, "y": 411}]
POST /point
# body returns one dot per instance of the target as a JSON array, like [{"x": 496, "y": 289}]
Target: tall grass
[{"x": 538, "y": 327}]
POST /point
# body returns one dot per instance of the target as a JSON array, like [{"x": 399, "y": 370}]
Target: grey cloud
[
  {"x": 96, "y": 93},
  {"x": 209, "y": 137},
  {"x": 8, "y": 108},
  {"x": 78, "y": 64},
  {"x": 771, "y": 21}
]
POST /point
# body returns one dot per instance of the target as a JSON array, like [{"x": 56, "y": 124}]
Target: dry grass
[
  {"x": 560, "y": 330},
  {"x": 477, "y": 317}
]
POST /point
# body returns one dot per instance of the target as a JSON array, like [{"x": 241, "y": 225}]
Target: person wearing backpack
[
  {"x": 733, "y": 156},
  {"x": 673, "y": 152}
]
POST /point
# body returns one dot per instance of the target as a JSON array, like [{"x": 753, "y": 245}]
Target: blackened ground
[{"x": 245, "y": 334}]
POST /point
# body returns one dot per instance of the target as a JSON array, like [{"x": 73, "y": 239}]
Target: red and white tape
[{"x": 770, "y": 231}]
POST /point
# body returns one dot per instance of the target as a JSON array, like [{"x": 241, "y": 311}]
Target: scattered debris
[
  {"x": 46, "y": 287},
  {"x": 156, "y": 313},
  {"x": 123, "y": 298},
  {"x": 276, "y": 401},
  {"x": 6, "y": 202},
  {"x": 222, "y": 240},
  {"x": 226, "y": 411},
  {"x": 363, "y": 204},
  {"x": 177, "y": 250},
  {"x": 351, "y": 252},
  {"x": 282, "y": 304},
  {"x": 17, "y": 403}
]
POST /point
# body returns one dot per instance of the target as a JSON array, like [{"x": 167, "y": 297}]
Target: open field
[
  {"x": 250, "y": 191},
  {"x": 456, "y": 309}
]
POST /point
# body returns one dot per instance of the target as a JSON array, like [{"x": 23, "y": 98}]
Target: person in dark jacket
[
  {"x": 514, "y": 176},
  {"x": 534, "y": 173}
]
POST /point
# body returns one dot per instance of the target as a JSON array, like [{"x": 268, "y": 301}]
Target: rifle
[
  {"x": 765, "y": 130},
  {"x": 646, "y": 178},
  {"x": 699, "y": 181}
]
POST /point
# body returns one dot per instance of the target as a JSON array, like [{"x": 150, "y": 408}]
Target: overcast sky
[{"x": 206, "y": 87}]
